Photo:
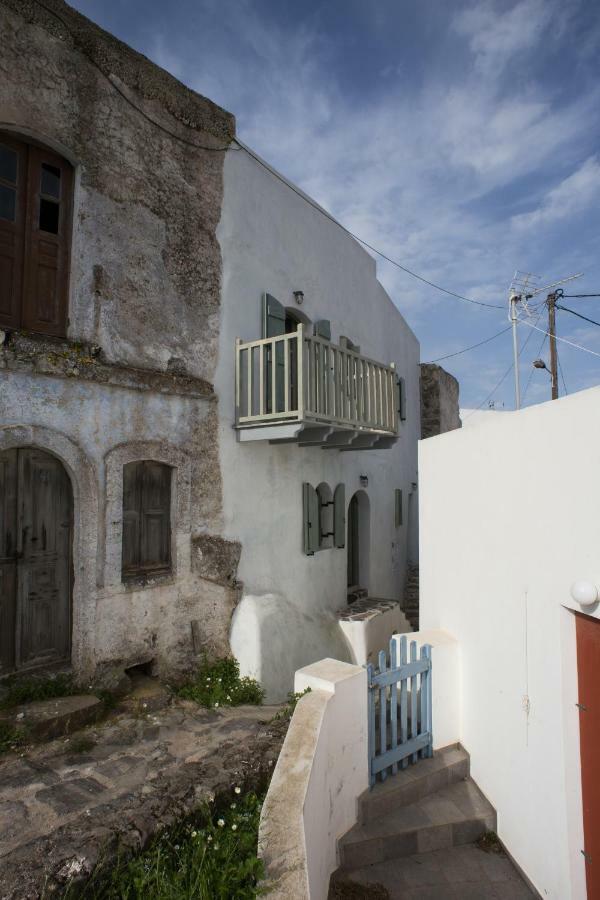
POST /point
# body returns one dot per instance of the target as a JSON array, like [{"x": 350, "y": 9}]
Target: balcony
[{"x": 302, "y": 388}]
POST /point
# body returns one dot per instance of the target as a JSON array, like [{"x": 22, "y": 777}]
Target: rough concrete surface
[
  {"x": 439, "y": 401},
  {"x": 61, "y": 811},
  {"x": 45, "y": 719}
]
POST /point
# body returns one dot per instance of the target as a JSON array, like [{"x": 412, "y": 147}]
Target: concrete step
[
  {"x": 455, "y": 814},
  {"x": 445, "y": 767},
  {"x": 49, "y": 719}
]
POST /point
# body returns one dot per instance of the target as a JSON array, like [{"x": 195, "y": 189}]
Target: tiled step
[
  {"x": 445, "y": 767},
  {"x": 456, "y": 814}
]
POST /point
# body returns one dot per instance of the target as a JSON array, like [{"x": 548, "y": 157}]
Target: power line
[
  {"x": 268, "y": 168},
  {"x": 472, "y": 347},
  {"x": 580, "y": 295},
  {"x": 503, "y": 379},
  {"x": 544, "y": 339},
  {"x": 383, "y": 255},
  {"x": 564, "y": 340},
  {"x": 561, "y": 372},
  {"x": 572, "y": 311}
]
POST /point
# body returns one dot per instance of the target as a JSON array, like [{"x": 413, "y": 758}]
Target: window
[
  {"x": 146, "y": 519},
  {"x": 36, "y": 189}
]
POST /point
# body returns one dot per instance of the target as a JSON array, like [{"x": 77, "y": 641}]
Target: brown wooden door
[
  {"x": 588, "y": 669},
  {"x": 35, "y": 540},
  {"x": 13, "y": 183}
]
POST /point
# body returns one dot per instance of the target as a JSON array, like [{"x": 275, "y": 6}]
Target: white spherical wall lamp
[{"x": 584, "y": 592}]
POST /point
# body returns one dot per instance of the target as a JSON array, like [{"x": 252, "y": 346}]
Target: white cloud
[{"x": 573, "y": 195}]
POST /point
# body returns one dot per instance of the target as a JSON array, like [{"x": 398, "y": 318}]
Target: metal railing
[{"x": 300, "y": 377}]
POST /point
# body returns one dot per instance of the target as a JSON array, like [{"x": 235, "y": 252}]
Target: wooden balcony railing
[{"x": 300, "y": 377}]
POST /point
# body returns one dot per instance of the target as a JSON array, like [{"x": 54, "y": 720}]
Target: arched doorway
[
  {"x": 358, "y": 542},
  {"x": 36, "y": 528}
]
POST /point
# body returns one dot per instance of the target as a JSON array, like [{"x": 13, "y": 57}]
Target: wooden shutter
[
  {"x": 13, "y": 185},
  {"x": 398, "y": 516},
  {"x": 402, "y": 399},
  {"x": 47, "y": 242},
  {"x": 146, "y": 518},
  {"x": 273, "y": 317},
  {"x": 311, "y": 511},
  {"x": 339, "y": 517},
  {"x": 322, "y": 329}
]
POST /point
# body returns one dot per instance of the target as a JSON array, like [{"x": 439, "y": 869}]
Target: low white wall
[
  {"x": 445, "y": 683},
  {"x": 509, "y": 519},
  {"x": 371, "y": 632},
  {"x": 321, "y": 771}
]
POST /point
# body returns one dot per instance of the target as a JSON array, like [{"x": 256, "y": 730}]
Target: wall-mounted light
[
  {"x": 584, "y": 592},
  {"x": 299, "y": 297},
  {"x": 364, "y": 480}
]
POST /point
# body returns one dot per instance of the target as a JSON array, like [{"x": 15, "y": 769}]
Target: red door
[{"x": 588, "y": 668}]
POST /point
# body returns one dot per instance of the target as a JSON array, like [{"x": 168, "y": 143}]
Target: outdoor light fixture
[
  {"x": 364, "y": 480},
  {"x": 299, "y": 297},
  {"x": 539, "y": 364},
  {"x": 584, "y": 592}
]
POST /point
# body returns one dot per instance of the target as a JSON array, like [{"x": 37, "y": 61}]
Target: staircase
[
  {"x": 428, "y": 806},
  {"x": 410, "y": 605}
]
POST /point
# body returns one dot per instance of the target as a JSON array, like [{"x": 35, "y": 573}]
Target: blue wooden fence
[{"x": 400, "y": 728}]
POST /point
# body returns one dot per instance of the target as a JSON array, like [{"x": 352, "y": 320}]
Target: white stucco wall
[
  {"x": 273, "y": 240},
  {"x": 322, "y": 770},
  {"x": 509, "y": 519}
]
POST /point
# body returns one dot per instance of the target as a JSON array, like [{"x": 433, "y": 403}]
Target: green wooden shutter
[
  {"x": 311, "y": 511},
  {"x": 402, "y": 399},
  {"x": 398, "y": 507},
  {"x": 273, "y": 318},
  {"x": 322, "y": 329},
  {"x": 339, "y": 517}
]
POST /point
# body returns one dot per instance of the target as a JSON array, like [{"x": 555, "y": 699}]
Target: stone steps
[
  {"x": 410, "y": 603},
  {"x": 428, "y": 806}
]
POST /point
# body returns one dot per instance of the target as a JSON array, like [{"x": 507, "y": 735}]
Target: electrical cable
[
  {"x": 564, "y": 340},
  {"x": 300, "y": 193},
  {"x": 580, "y": 295},
  {"x": 561, "y": 372},
  {"x": 472, "y": 347},
  {"x": 504, "y": 377},
  {"x": 572, "y": 311},
  {"x": 544, "y": 339}
]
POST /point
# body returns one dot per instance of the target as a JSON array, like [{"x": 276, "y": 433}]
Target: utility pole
[{"x": 551, "y": 304}]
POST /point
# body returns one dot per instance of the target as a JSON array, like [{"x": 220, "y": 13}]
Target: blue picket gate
[{"x": 400, "y": 722}]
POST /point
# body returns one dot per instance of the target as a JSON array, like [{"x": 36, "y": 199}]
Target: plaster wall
[
  {"x": 144, "y": 294},
  {"x": 508, "y": 521},
  {"x": 273, "y": 241},
  {"x": 320, "y": 773},
  {"x": 117, "y": 623}
]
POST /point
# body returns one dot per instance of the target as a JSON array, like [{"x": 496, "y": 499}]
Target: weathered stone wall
[
  {"x": 133, "y": 379},
  {"x": 439, "y": 401}
]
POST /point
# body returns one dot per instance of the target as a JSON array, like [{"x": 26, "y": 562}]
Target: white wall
[
  {"x": 272, "y": 240},
  {"x": 509, "y": 519},
  {"x": 322, "y": 770}
]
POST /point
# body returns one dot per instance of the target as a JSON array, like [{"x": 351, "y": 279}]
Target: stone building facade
[
  {"x": 112, "y": 386},
  {"x": 439, "y": 401}
]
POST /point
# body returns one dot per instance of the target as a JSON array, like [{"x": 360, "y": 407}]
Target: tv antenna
[{"x": 523, "y": 287}]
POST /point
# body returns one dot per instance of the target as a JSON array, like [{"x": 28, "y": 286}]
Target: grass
[
  {"x": 10, "y": 739},
  {"x": 219, "y": 684},
  {"x": 212, "y": 855},
  {"x": 26, "y": 690},
  {"x": 287, "y": 711}
]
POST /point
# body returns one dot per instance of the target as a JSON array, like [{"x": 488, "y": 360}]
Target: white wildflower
[
  {"x": 221, "y": 823},
  {"x": 237, "y": 789},
  {"x": 234, "y": 827}
]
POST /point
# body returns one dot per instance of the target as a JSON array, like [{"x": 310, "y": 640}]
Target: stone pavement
[
  {"x": 67, "y": 804},
  {"x": 456, "y": 873}
]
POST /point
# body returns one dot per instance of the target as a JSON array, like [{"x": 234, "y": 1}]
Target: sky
[{"x": 461, "y": 139}]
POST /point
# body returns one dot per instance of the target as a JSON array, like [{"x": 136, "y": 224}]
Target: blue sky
[{"x": 462, "y": 139}]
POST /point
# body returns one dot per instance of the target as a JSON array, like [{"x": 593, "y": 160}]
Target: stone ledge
[
  {"x": 365, "y": 609},
  {"x": 57, "y": 358},
  {"x": 48, "y": 719}
]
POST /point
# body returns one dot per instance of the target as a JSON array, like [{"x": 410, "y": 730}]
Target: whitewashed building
[{"x": 318, "y": 385}]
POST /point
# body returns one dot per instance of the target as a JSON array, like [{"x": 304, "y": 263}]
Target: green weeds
[{"x": 219, "y": 684}]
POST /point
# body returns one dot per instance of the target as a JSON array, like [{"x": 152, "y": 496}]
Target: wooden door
[
  {"x": 353, "y": 573},
  {"x": 588, "y": 670},
  {"x": 36, "y": 510}
]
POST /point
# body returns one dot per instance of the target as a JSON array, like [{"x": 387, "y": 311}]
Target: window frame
[
  {"x": 38, "y": 255},
  {"x": 146, "y": 569}
]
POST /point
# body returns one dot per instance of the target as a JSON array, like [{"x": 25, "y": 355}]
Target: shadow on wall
[{"x": 271, "y": 639}]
